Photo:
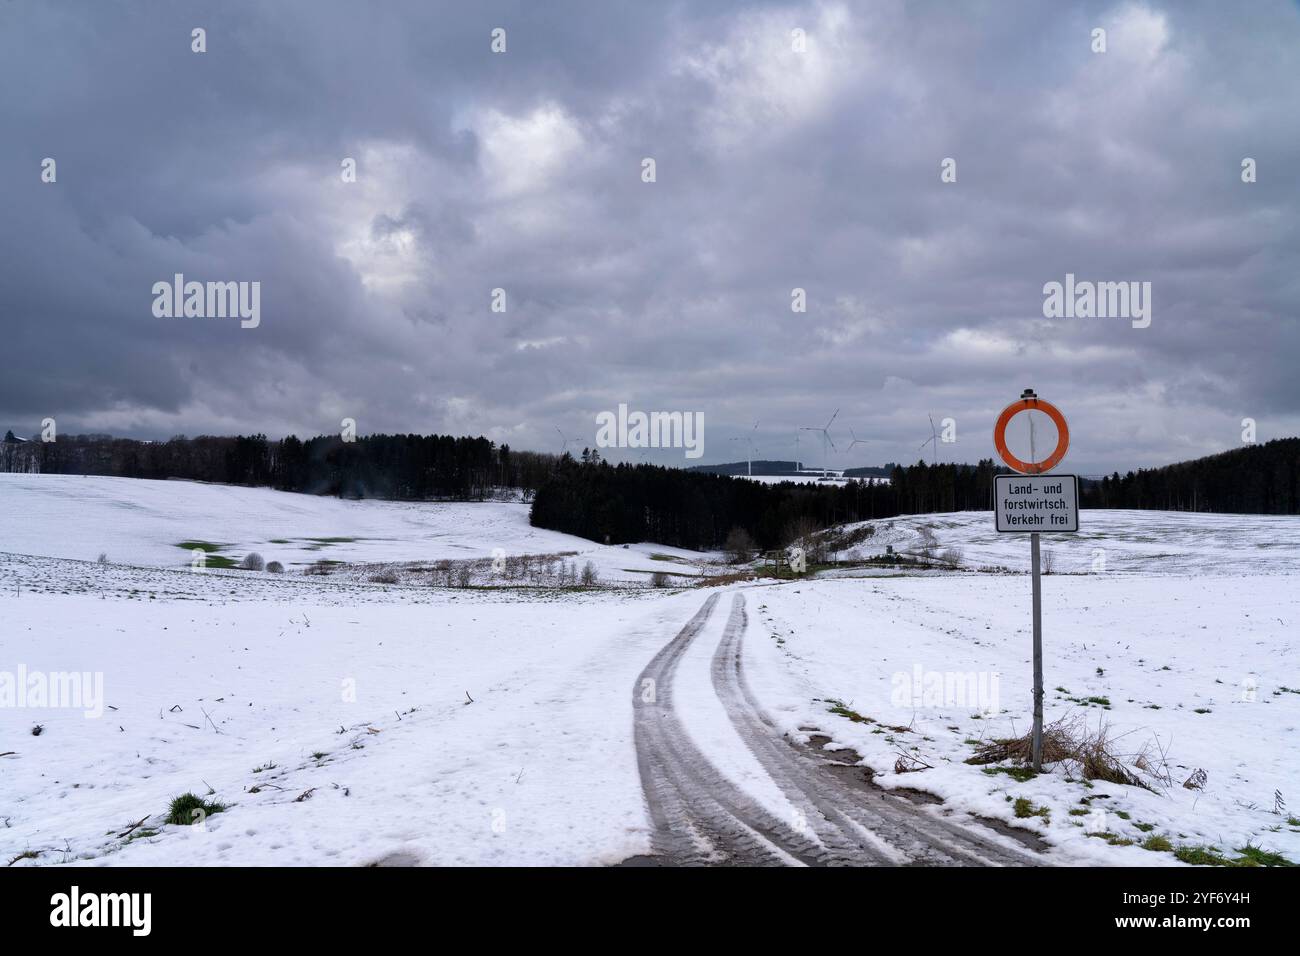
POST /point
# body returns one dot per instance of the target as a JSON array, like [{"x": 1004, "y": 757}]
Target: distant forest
[
  {"x": 1257, "y": 479},
  {"x": 688, "y": 509},
  {"x": 404, "y": 467},
  {"x": 625, "y": 503}
]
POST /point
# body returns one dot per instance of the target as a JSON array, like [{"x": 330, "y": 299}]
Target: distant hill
[
  {"x": 870, "y": 471},
  {"x": 761, "y": 467}
]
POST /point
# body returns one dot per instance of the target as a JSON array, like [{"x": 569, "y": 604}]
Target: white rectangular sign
[{"x": 1036, "y": 502}]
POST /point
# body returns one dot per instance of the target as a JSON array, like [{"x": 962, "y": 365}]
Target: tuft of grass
[
  {"x": 25, "y": 855},
  {"x": 265, "y": 766},
  {"x": 1024, "y": 809},
  {"x": 1202, "y": 856},
  {"x": 1157, "y": 842},
  {"x": 187, "y": 809},
  {"x": 839, "y": 708},
  {"x": 1019, "y": 774},
  {"x": 1114, "y": 839},
  {"x": 1252, "y": 855}
]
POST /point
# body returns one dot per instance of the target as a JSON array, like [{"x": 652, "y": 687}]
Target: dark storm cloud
[{"x": 776, "y": 170}]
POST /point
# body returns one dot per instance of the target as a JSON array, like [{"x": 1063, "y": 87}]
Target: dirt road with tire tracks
[{"x": 700, "y": 817}]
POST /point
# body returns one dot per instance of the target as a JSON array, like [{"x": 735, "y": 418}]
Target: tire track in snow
[{"x": 700, "y": 817}]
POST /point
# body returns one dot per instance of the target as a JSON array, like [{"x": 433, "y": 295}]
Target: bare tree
[{"x": 739, "y": 546}]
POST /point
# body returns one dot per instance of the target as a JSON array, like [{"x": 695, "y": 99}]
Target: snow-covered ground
[
  {"x": 1199, "y": 672},
  {"x": 353, "y": 723},
  {"x": 1127, "y": 542}
]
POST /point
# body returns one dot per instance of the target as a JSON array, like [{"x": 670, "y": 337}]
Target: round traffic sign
[{"x": 1030, "y": 402}]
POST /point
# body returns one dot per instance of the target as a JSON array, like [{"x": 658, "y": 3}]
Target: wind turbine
[
  {"x": 856, "y": 440},
  {"x": 932, "y": 440},
  {"x": 565, "y": 442},
  {"x": 749, "y": 441},
  {"x": 826, "y": 440}
]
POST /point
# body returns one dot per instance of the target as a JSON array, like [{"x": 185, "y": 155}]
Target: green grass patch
[
  {"x": 1157, "y": 843},
  {"x": 839, "y": 708},
  {"x": 207, "y": 546},
  {"x": 1252, "y": 855},
  {"x": 1019, "y": 774},
  {"x": 1114, "y": 839},
  {"x": 187, "y": 809},
  {"x": 1023, "y": 809}
]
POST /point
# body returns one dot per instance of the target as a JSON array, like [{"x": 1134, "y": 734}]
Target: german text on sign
[{"x": 1036, "y": 502}]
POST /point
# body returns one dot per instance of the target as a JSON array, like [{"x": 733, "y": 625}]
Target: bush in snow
[
  {"x": 275, "y": 567},
  {"x": 252, "y": 562},
  {"x": 187, "y": 810},
  {"x": 589, "y": 575},
  {"x": 659, "y": 579},
  {"x": 739, "y": 546}
]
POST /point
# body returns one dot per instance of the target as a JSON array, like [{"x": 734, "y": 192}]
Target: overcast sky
[{"x": 775, "y": 169}]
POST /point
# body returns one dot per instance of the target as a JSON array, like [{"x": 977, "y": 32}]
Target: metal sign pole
[
  {"x": 1038, "y": 653},
  {"x": 1038, "y": 499}
]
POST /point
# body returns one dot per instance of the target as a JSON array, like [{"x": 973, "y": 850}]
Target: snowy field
[
  {"x": 349, "y": 723},
  {"x": 155, "y": 523}
]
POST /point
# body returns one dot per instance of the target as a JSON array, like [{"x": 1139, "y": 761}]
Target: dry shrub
[
  {"x": 906, "y": 763},
  {"x": 1080, "y": 749},
  {"x": 721, "y": 580}
]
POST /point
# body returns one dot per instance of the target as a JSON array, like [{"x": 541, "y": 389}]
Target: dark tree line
[
  {"x": 1257, "y": 479},
  {"x": 407, "y": 467},
  {"x": 626, "y": 503},
  {"x": 688, "y": 509}
]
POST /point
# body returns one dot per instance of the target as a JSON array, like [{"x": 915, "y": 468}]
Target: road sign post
[{"x": 1032, "y": 501}]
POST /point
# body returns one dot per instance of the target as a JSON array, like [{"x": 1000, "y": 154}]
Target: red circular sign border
[{"x": 1062, "y": 436}]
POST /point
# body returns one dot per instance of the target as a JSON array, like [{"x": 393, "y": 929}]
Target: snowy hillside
[
  {"x": 157, "y": 523},
  {"x": 1133, "y": 542}
]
